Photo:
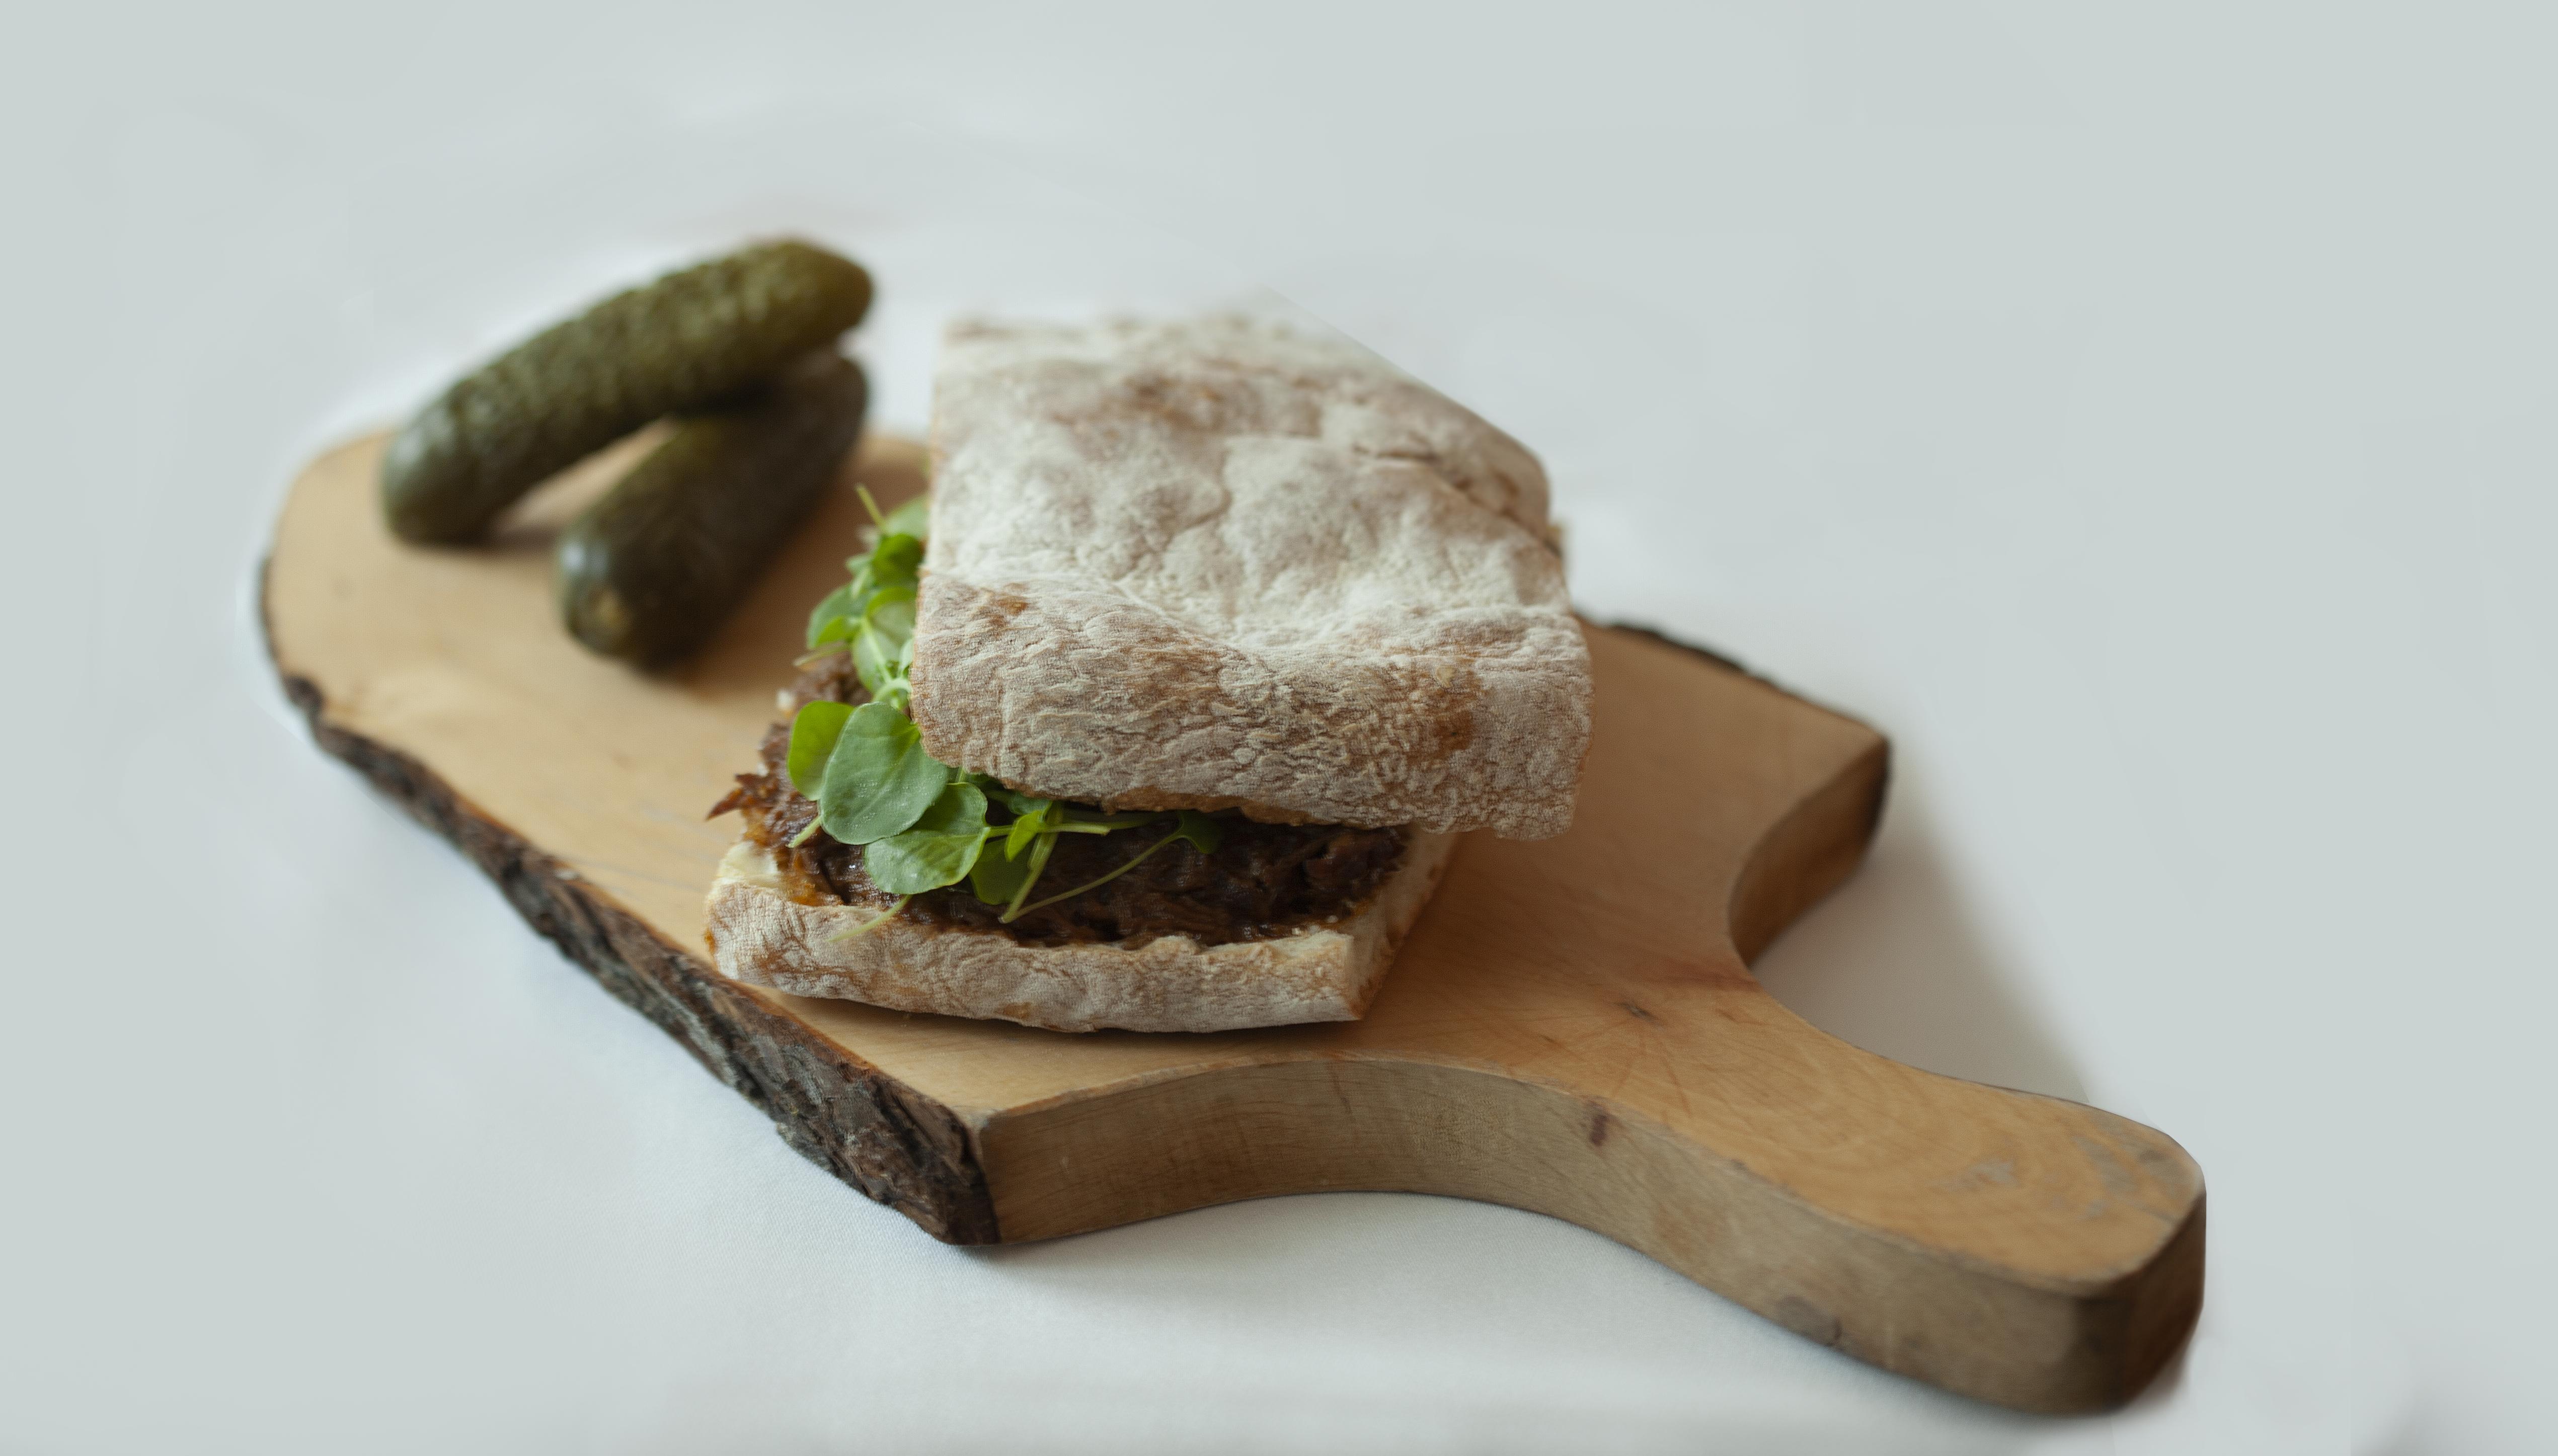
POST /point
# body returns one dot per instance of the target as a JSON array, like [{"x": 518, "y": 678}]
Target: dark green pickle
[
  {"x": 687, "y": 341},
  {"x": 650, "y": 572}
]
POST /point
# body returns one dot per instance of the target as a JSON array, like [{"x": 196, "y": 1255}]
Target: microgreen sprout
[
  {"x": 873, "y": 923},
  {"x": 1197, "y": 830}
]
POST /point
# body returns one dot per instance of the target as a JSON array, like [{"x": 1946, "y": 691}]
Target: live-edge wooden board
[{"x": 1572, "y": 1028}]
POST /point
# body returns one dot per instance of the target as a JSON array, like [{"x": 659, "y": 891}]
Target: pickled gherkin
[
  {"x": 648, "y": 571},
  {"x": 687, "y": 341}
]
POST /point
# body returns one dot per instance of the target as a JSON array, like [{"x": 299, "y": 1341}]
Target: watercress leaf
[
  {"x": 1027, "y": 828},
  {"x": 878, "y": 662},
  {"x": 1038, "y": 861},
  {"x": 895, "y": 559},
  {"x": 940, "y": 849},
  {"x": 997, "y": 878},
  {"x": 813, "y": 733},
  {"x": 1201, "y": 831},
  {"x": 1017, "y": 801},
  {"x": 959, "y": 808},
  {"x": 838, "y": 604},
  {"x": 915, "y": 518},
  {"x": 885, "y": 645},
  {"x": 864, "y": 582},
  {"x": 891, "y": 613},
  {"x": 878, "y": 780},
  {"x": 839, "y": 629}
]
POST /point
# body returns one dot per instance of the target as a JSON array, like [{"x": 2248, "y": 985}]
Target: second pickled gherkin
[
  {"x": 650, "y": 572},
  {"x": 687, "y": 341}
]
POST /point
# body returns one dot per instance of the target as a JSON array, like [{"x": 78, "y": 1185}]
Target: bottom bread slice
[{"x": 1323, "y": 973}]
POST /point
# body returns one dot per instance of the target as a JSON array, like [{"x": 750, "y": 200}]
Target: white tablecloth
[{"x": 2144, "y": 417}]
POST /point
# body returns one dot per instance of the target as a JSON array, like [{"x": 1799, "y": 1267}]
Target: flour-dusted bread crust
[
  {"x": 1329, "y": 972},
  {"x": 1214, "y": 563}
]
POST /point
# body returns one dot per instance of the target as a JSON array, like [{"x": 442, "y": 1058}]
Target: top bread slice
[{"x": 1214, "y": 563}]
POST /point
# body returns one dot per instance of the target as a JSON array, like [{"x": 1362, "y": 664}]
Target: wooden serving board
[{"x": 1571, "y": 1029}]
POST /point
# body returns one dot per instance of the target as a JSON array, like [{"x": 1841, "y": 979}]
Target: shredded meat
[{"x": 1264, "y": 881}]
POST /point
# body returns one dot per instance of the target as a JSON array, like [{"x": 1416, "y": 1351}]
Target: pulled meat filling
[{"x": 1264, "y": 881}]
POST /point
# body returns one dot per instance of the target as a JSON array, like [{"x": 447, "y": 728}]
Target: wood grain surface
[{"x": 1572, "y": 1028}]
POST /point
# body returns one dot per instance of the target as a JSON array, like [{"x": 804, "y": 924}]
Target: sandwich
[{"x": 1168, "y": 710}]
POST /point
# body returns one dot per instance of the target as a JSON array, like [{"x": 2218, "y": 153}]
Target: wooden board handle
[{"x": 2017, "y": 1247}]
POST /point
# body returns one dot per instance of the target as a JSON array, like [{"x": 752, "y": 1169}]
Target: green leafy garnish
[
  {"x": 894, "y": 562},
  {"x": 883, "y": 576},
  {"x": 812, "y": 742},
  {"x": 878, "y": 780},
  {"x": 920, "y": 823},
  {"x": 841, "y": 607},
  {"x": 1026, "y": 827},
  {"x": 998, "y": 878},
  {"x": 885, "y": 643},
  {"x": 915, "y": 518},
  {"x": 1200, "y": 832},
  {"x": 873, "y": 923},
  {"x": 1195, "y": 830},
  {"x": 940, "y": 850}
]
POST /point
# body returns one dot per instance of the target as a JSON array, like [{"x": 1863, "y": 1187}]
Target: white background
[{"x": 2143, "y": 413}]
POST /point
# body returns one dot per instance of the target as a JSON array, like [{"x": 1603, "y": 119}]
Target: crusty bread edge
[{"x": 761, "y": 937}]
